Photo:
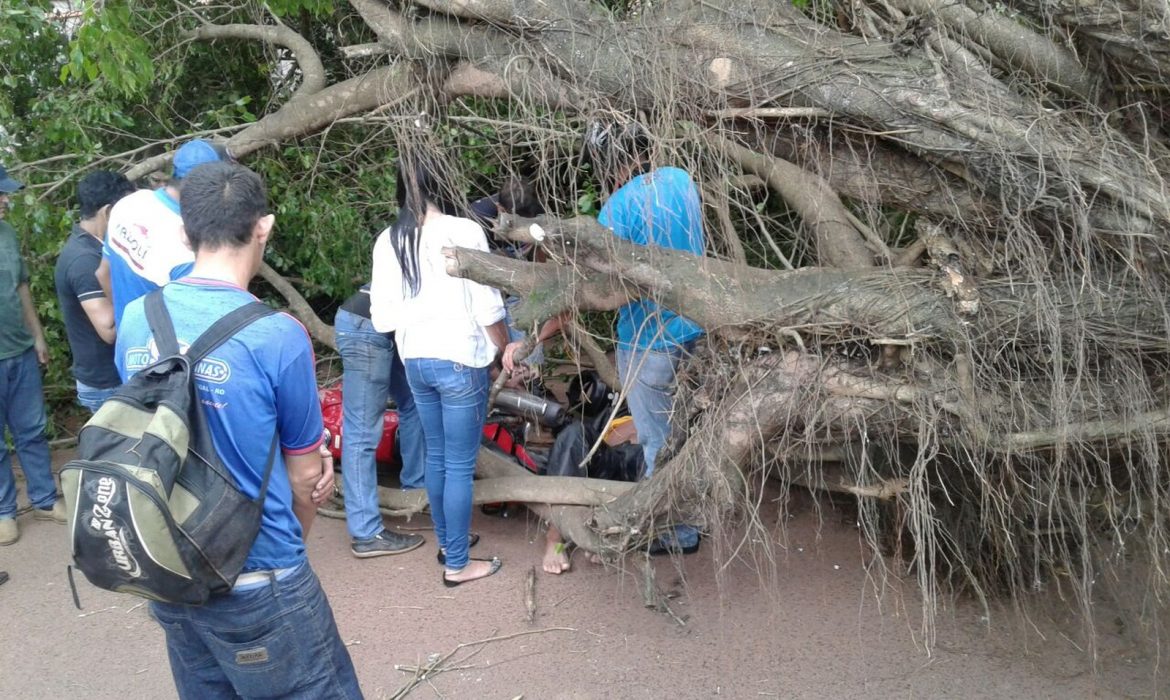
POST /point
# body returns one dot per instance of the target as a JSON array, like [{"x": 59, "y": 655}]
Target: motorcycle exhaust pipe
[{"x": 521, "y": 403}]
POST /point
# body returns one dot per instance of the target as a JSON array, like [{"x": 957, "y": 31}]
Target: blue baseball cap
[
  {"x": 195, "y": 153},
  {"x": 7, "y": 184}
]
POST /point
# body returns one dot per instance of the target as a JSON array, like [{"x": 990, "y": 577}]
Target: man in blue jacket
[{"x": 654, "y": 207}]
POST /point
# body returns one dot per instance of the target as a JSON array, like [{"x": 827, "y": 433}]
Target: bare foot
[
  {"x": 595, "y": 558},
  {"x": 556, "y": 559},
  {"x": 476, "y": 568}
]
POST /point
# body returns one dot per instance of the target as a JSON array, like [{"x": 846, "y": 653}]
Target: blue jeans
[
  {"x": 649, "y": 379},
  {"x": 22, "y": 409},
  {"x": 275, "y": 641},
  {"x": 452, "y": 404},
  {"x": 92, "y": 398},
  {"x": 371, "y": 372}
]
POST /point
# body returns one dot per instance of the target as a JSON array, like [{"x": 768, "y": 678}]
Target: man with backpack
[
  {"x": 273, "y": 634},
  {"x": 22, "y": 402}
]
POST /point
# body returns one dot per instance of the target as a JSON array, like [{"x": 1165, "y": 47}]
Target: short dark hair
[
  {"x": 220, "y": 203},
  {"x": 613, "y": 143},
  {"x": 101, "y": 188},
  {"x": 518, "y": 196}
]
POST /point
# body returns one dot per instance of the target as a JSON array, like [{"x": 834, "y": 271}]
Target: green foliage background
[
  {"x": 76, "y": 93},
  {"x": 115, "y": 85}
]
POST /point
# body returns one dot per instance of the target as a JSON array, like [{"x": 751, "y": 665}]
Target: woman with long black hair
[{"x": 448, "y": 331}]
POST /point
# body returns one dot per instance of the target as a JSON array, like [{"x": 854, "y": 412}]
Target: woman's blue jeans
[
  {"x": 452, "y": 404},
  {"x": 371, "y": 372}
]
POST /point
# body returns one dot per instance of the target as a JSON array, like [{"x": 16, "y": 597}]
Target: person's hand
[
  {"x": 42, "y": 350},
  {"x": 324, "y": 488},
  {"x": 508, "y": 356}
]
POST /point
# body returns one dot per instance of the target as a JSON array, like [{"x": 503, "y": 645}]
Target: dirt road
[{"x": 815, "y": 630}]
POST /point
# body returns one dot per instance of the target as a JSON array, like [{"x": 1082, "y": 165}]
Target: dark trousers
[{"x": 278, "y": 640}]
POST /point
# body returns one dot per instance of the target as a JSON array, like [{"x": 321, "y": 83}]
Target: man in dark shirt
[
  {"x": 371, "y": 373},
  {"x": 517, "y": 196},
  {"x": 22, "y": 401},
  {"x": 88, "y": 314}
]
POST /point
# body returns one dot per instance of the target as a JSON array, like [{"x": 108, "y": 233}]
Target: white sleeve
[
  {"x": 385, "y": 286},
  {"x": 487, "y": 305}
]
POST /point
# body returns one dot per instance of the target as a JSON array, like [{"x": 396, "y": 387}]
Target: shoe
[
  {"x": 9, "y": 531},
  {"x": 56, "y": 513},
  {"x": 472, "y": 540},
  {"x": 496, "y": 566},
  {"x": 385, "y": 543}
]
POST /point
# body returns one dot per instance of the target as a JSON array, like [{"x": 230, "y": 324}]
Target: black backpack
[{"x": 152, "y": 509}]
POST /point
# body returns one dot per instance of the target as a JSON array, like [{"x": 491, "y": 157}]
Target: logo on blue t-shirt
[{"x": 209, "y": 369}]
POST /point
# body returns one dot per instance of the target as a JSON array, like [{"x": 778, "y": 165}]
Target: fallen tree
[{"x": 937, "y": 262}]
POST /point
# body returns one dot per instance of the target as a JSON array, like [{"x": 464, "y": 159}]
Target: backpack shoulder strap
[
  {"x": 161, "y": 326},
  {"x": 219, "y": 333},
  {"x": 226, "y": 327},
  {"x": 268, "y": 467}
]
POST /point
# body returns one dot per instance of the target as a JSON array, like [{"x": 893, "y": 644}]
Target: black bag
[{"x": 152, "y": 509}]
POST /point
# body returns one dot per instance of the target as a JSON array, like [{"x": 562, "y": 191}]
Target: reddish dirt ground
[{"x": 814, "y": 630}]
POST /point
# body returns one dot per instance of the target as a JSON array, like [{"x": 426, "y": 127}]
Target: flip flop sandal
[{"x": 496, "y": 566}]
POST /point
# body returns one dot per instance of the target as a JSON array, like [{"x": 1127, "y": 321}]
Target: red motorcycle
[{"x": 507, "y": 425}]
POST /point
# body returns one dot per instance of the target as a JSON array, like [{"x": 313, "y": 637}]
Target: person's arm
[
  {"x": 100, "y": 313},
  {"x": 498, "y": 334},
  {"x": 33, "y": 323},
  {"x": 311, "y": 477},
  {"x": 550, "y": 328},
  {"x": 385, "y": 286},
  {"x": 103, "y": 277},
  {"x": 487, "y": 305},
  {"x": 298, "y": 419},
  {"x": 83, "y": 283}
]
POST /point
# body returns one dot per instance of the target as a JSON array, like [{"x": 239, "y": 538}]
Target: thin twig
[
  {"x": 422, "y": 674},
  {"x": 530, "y": 594}
]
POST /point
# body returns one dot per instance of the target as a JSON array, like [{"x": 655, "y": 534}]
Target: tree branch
[
  {"x": 838, "y": 235},
  {"x": 1012, "y": 42},
  {"x": 547, "y": 289},
  {"x": 321, "y": 331},
  {"x": 720, "y": 296},
  {"x": 309, "y": 61},
  {"x": 601, "y": 363},
  {"x": 540, "y": 490},
  {"x": 433, "y": 35},
  {"x": 365, "y": 50},
  {"x": 316, "y": 111}
]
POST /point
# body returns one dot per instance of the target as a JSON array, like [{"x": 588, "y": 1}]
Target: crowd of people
[{"x": 413, "y": 334}]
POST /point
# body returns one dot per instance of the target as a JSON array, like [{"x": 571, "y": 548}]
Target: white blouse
[{"x": 447, "y": 318}]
